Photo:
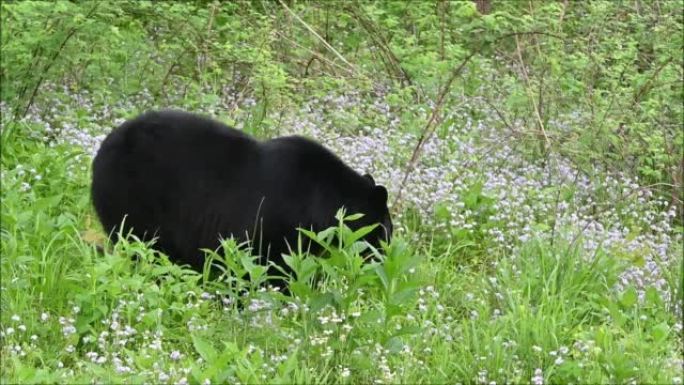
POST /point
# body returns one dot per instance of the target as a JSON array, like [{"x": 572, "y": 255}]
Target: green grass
[
  {"x": 539, "y": 238},
  {"x": 422, "y": 315}
]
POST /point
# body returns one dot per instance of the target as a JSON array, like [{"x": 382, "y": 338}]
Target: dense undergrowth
[{"x": 538, "y": 214}]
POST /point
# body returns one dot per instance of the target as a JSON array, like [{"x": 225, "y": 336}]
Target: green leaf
[
  {"x": 466, "y": 10},
  {"x": 371, "y": 316},
  {"x": 380, "y": 271},
  {"x": 358, "y": 234},
  {"x": 629, "y": 297},
  {"x": 442, "y": 212},
  {"x": 470, "y": 199},
  {"x": 541, "y": 227},
  {"x": 406, "y": 330},
  {"x": 353, "y": 217},
  {"x": 46, "y": 203},
  {"x": 403, "y": 296},
  {"x": 652, "y": 297},
  {"x": 394, "y": 345},
  {"x": 660, "y": 332},
  {"x": 287, "y": 367},
  {"x": 204, "y": 348},
  {"x": 320, "y": 301}
]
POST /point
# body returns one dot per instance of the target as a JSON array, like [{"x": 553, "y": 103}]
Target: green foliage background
[
  {"x": 598, "y": 83},
  {"x": 615, "y": 66}
]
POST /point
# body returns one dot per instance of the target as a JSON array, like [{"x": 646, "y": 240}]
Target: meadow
[{"x": 533, "y": 152}]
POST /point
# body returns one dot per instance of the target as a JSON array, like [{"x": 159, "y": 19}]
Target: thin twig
[
  {"x": 646, "y": 87},
  {"x": 429, "y": 127},
  {"x": 318, "y": 55},
  {"x": 529, "y": 91},
  {"x": 322, "y": 40},
  {"x": 562, "y": 15},
  {"x": 393, "y": 63},
  {"x": 202, "y": 60},
  {"x": 162, "y": 88},
  {"x": 555, "y": 211}
]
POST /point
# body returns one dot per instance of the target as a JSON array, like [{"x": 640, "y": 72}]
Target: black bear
[{"x": 189, "y": 181}]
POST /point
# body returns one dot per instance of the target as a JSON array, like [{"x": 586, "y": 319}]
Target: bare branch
[{"x": 322, "y": 40}]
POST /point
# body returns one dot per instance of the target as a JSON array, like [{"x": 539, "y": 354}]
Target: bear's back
[
  {"x": 170, "y": 173},
  {"x": 170, "y": 130},
  {"x": 309, "y": 160}
]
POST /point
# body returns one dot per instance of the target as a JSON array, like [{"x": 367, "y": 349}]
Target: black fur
[{"x": 189, "y": 180}]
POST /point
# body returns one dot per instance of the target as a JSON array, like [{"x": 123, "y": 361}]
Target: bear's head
[{"x": 376, "y": 211}]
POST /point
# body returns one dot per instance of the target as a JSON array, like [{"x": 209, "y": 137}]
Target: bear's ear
[
  {"x": 369, "y": 177},
  {"x": 380, "y": 193}
]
